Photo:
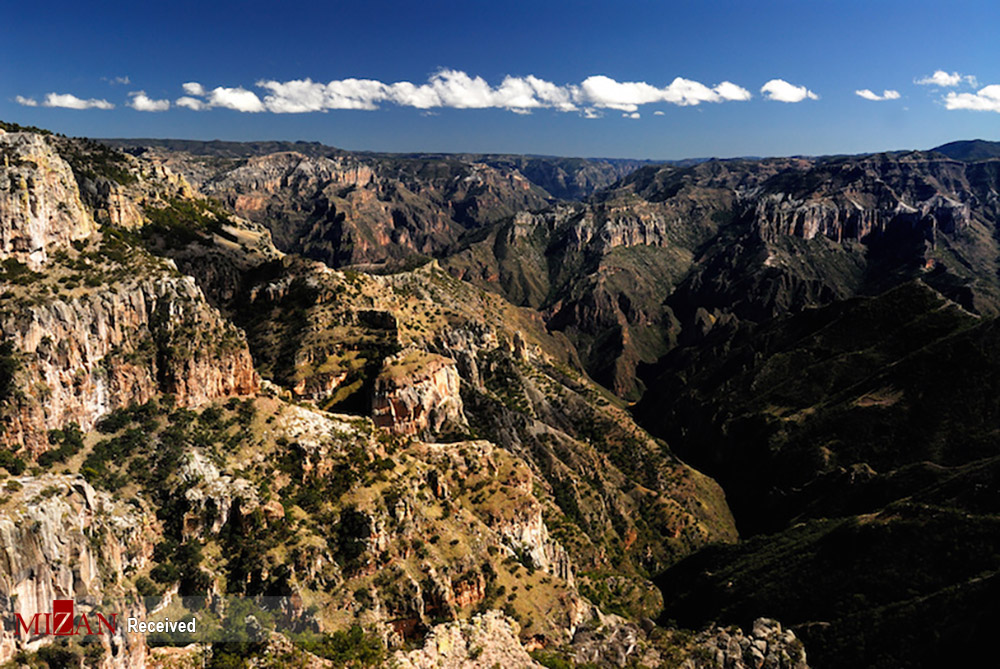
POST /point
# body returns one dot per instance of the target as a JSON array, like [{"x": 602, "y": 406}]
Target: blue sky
[{"x": 627, "y": 79}]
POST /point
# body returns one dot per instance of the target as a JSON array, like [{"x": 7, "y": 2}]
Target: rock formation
[
  {"x": 123, "y": 344},
  {"x": 61, "y": 539},
  {"x": 483, "y": 641},
  {"x": 418, "y": 393},
  {"x": 39, "y": 200}
]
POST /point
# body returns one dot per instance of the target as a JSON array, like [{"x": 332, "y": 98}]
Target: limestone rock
[
  {"x": 417, "y": 393},
  {"x": 486, "y": 640},
  {"x": 60, "y": 539},
  {"x": 766, "y": 646},
  {"x": 40, "y": 205},
  {"x": 124, "y": 343}
]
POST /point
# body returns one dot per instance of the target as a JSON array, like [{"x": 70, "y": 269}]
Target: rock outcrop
[
  {"x": 528, "y": 537},
  {"x": 765, "y": 646},
  {"x": 40, "y": 203},
  {"x": 87, "y": 355},
  {"x": 213, "y": 497},
  {"x": 486, "y": 640},
  {"x": 856, "y": 216},
  {"x": 61, "y": 539},
  {"x": 417, "y": 393},
  {"x": 343, "y": 209}
]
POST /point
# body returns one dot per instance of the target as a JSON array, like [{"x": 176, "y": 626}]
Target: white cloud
[
  {"x": 869, "y": 94},
  {"x": 459, "y": 90},
  {"x": 239, "y": 99},
  {"x": 782, "y": 91},
  {"x": 26, "y": 102},
  {"x": 632, "y": 115},
  {"x": 986, "y": 99},
  {"x": 114, "y": 81},
  {"x": 602, "y": 91},
  {"x": 305, "y": 95},
  {"x": 191, "y": 103},
  {"x": 558, "y": 97},
  {"x": 142, "y": 102},
  {"x": 686, "y": 92},
  {"x": 727, "y": 90},
  {"x": 410, "y": 95},
  {"x": 69, "y": 101},
  {"x": 945, "y": 80},
  {"x": 658, "y": 113}
]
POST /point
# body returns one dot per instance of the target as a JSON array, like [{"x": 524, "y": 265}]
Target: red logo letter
[
  {"x": 62, "y": 617},
  {"x": 27, "y": 628},
  {"x": 102, "y": 621}
]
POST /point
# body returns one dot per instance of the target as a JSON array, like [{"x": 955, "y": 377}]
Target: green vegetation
[
  {"x": 16, "y": 272},
  {"x": 552, "y": 660},
  {"x": 179, "y": 222},
  {"x": 346, "y": 648},
  {"x": 12, "y": 463},
  {"x": 67, "y": 443},
  {"x": 15, "y": 127},
  {"x": 91, "y": 160}
]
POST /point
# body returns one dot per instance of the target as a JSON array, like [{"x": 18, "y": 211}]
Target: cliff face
[
  {"x": 85, "y": 356},
  {"x": 418, "y": 393},
  {"x": 845, "y": 218},
  {"x": 61, "y": 539},
  {"x": 861, "y": 199},
  {"x": 134, "y": 328},
  {"x": 39, "y": 200}
]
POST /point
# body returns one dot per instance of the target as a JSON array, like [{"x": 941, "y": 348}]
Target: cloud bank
[
  {"x": 782, "y": 91},
  {"x": 458, "y": 90},
  {"x": 868, "y": 94}
]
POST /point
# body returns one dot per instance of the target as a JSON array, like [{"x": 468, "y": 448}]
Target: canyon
[{"x": 470, "y": 409}]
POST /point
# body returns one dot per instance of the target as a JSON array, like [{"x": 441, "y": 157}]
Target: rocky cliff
[
  {"x": 84, "y": 355},
  {"x": 418, "y": 393},
  {"x": 348, "y": 209},
  {"x": 483, "y": 641},
  {"x": 39, "y": 200},
  {"x": 61, "y": 539}
]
